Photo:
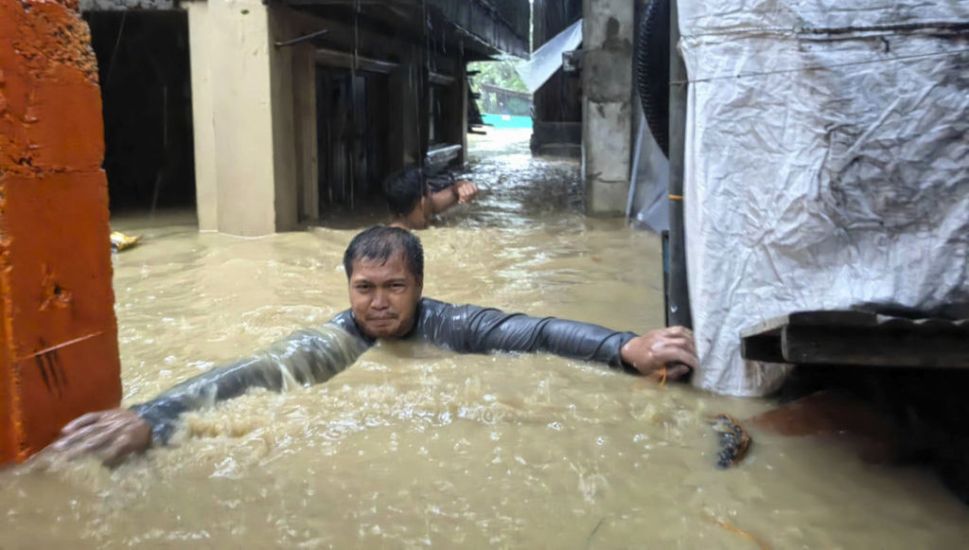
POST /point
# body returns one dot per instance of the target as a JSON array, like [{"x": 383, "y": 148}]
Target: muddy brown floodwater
[{"x": 415, "y": 447}]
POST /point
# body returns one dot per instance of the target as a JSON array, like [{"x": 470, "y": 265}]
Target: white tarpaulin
[
  {"x": 827, "y": 165},
  {"x": 547, "y": 59}
]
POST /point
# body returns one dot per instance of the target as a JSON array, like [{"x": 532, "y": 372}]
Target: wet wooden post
[
  {"x": 59, "y": 355},
  {"x": 457, "y": 119}
]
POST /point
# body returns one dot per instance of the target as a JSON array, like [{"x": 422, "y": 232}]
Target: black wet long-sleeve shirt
[{"x": 314, "y": 356}]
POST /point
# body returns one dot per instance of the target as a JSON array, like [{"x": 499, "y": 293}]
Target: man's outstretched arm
[
  {"x": 481, "y": 330},
  {"x": 305, "y": 357}
]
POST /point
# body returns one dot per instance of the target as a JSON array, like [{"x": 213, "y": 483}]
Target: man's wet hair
[
  {"x": 380, "y": 243},
  {"x": 404, "y": 189}
]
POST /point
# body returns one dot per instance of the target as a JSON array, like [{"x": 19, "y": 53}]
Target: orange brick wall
[{"x": 59, "y": 354}]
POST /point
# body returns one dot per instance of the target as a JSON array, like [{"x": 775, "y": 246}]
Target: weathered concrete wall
[
  {"x": 203, "y": 117},
  {"x": 239, "y": 48},
  {"x": 246, "y": 180},
  {"x": 607, "y": 109},
  {"x": 58, "y": 336}
]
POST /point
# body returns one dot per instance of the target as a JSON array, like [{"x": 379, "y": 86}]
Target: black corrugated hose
[{"x": 652, "y": 64}]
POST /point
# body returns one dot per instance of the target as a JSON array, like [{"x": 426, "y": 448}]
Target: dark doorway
[
  {"x": 352, "y": 111},
  {"x": 143, "y": 60}
]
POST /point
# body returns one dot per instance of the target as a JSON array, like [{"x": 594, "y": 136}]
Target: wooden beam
[
  {"x": 836, "y": 345},
  {"x": 345, "y": 60},
  {"x": 858, "y": 338}
]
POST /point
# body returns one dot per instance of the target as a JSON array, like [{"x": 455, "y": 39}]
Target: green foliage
[{"x": 497, "y": 73}]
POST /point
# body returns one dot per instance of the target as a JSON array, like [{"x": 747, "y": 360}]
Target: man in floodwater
[
  {"x": 414, "y": 197},
  {"x": 385, "y": 271}
]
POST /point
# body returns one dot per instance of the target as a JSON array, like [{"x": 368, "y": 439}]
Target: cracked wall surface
[
  {"x": 607, "y": 90},
  {"x": 59, "y": 354}
]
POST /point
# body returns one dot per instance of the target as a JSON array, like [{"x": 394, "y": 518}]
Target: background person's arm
[{"x": 462, "y": 191}]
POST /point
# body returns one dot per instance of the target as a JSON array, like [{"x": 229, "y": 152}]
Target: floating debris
[
  {"x": 738, "y": 531},
  {"x": 120, "y": 241},
  {"x": 734, "y": 440}
]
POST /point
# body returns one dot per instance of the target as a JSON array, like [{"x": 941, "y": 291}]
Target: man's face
[{"x": 384, "y": 296}]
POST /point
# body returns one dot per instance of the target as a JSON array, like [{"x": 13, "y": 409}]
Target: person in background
[{"x": 414, "y": 197}]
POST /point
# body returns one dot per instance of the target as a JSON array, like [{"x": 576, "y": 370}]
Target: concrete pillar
[
  {"x": 607, "y": 92},
  {"x": 203, "y": 116},
  {"x": 245, "y": 157},
  {"x": 58, "y": 335}
]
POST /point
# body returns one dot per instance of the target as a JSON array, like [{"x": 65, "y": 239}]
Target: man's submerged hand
[
  {"x": 110, "y": 435},
  {"x": 671, "y": 349}
]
